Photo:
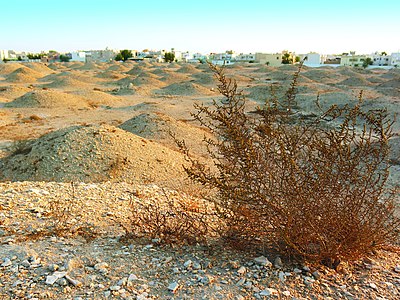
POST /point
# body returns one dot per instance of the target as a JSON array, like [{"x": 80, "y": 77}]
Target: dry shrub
[
  {"x": 314, "y": 186},
  {"x": 175, "y": 220}
]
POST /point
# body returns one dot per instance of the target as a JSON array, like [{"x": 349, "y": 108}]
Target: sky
[{"x": 329, "y": 27}]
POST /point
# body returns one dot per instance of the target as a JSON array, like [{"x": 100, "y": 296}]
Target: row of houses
[{"x": 312, "y": 59}]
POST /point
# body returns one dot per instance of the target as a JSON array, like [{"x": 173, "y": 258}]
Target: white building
[
  {"x": 312, "y": 59},
  {"x": 78, "y": 56},
  {"x": 246, "y": 57},
  {"x": 3, "y": 55},
  {"x": 380, "y": 59},
  {"x": 395, "y": 59}
]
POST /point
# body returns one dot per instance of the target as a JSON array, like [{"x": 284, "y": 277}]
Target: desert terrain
[{"x": 89, "y": 136}]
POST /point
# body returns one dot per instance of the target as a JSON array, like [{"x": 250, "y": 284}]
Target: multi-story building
[
  {"x": 249, "y": 57},
  {"x": 352, "y": 60},
  {"x": 270, "y": 59},
  {"x": 395, "y": 59},
  {"x": 78, "y": 56},
  {"x": 312, "y": 59},
  {"x": 380, "y": 59}
]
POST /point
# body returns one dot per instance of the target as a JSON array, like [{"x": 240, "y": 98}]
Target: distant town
[{"x": 312, "y": 59}]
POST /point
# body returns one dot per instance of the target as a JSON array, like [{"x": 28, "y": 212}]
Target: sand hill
[
  {"x": 93, "y": 153},
  {"x": 159, "y": 127},
  {"x": 184, "y": 89},
  {"x": 48, "y": 99}
]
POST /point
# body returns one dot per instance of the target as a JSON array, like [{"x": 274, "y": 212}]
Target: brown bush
[
  {"x": 314, "y": 186},
  {"x": 174, "y": 220}
]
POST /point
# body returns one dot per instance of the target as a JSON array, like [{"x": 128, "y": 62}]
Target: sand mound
[
  {"x": 89, "y": 66},
  {"x": 117, "y": 68},
  {"x": 187, "y": 68},
  {"x": 39, "y": 67},
  {"x": 23, "y": 74},
  {"x": 323, "y": 75},
  {"x": 136, "y": 70},
  {"x": 147, "y": 80},
  {"x": 68, "y": 83},
  {"x": 159, "y": 72},
  {"x": 4, "y": 100},
  {"x": 48, "y": 99},
  {"x": 173, "y": 77},
  {"x": 279, "y": 75},
  {"x": 96, "y": 98},
  {"x": 7, "y": 68},
  {"x": 204, "y": 78},
  {"x": 115, "y": 75},
  {"x": 355, "y": 81},
  {"x": 292, "y": 68},
  {"x": 264, "y": 69},
  {"x": 13, "y": 91},
  {"x": 93, "y": 153},
  {"x": 57, "y": 66},
  {"x": 158, "y": 126},
  {"x": 74, "y": 65},
  {"x": 394, "y": 83},
  {"x": 184, "y": 89}
]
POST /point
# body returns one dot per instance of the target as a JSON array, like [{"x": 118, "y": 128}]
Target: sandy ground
[{"x": 106, "y": 126}]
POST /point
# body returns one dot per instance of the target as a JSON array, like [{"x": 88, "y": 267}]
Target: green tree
[
  {"x": 169, "y": 57},
  {"x": 287, "y": 59},
  {"x": 64, "y": 58},
  {"x": 124, "y": 55},
  {"x": 19, "y": 58},
  {"x": 383, "y": 53},
  {"x": 297, "y": 59},
  {"x": 367, "y": 62}
]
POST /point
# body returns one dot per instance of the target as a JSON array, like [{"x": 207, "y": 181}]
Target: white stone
[
  {"x": 50, "y": 279},
  {"x": 241, "y": 270},
  {"x": 268, "y": 292},
  {"x": 262, "y": 261},
  {"x": 173, "y": 287}
]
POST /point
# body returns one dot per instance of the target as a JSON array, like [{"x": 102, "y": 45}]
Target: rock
[
  {"x": 306, "y": 269},
  {"x": 62, "y": 282},
  {"x": 196, "y": 266},
  {"x": 268, "y": 292},
  {"x": 282, "y": 276},
  {"x": 175, "y": 270},
  {"x": 53, "y": 267},
  {"x": 102, "y": 267},
  {"x": 107, "y": 294},
  {"x": 316, "y": 275},
  {"x": 308, "y": 280},
  {"x": 173, "y": 287},
  {"x": 373, "y": 286},
  {"x": 234, "y": 264},
  {"x": 115, "y": 288},
  {"x": 73, "y": 281},
  {"x": 50, "y": 279},
  {"x": 241, "y": 270},
  {"x": 263, "y": 261},
  {"x": 241, "y": 282},
  {"x": 6, "y": 262},
  {"x": 297, "y": 271},
  {"x": 286, "y": 293},
  {"x": 278, "y": 263},
  {"x": 25, "y": 263},
  {"x": 188, "y": 264},
  {"x": 142, "y": 296},
  {"x": 132, "y": 277},
  {"x": 168, "y": 259},
  {"x": 397, "y": 269}
]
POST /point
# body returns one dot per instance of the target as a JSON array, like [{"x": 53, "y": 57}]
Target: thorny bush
[{"x": 312, "y": 185}]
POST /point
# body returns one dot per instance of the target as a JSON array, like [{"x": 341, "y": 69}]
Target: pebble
[
  {"x": 278, "y": 263},
  {"x": 286, "y": 293},
  {"x": 282, "y": 276},
  {"x": 397, "y": 269},
  {"x": 188, "y": 264},
  {"x": 6, "y": 262},
  {"x": 115, "y": 288},
  {"x": 241, "y": 270},
  {"x": 263, "y": 261},
  {"x": 173, "y": 287},
  {"x": 268, "y": 292},
  {"x": 50, "y": 279},
  {"x": 316, "y": 275},
  {"x": 373, "y": 286}
]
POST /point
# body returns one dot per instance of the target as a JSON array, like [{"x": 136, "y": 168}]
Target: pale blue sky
[{"x": 206, "y": 26}]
